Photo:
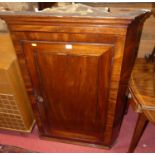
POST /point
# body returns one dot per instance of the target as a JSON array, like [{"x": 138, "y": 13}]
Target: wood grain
[
  {"x": 141, "y": 87},
  {"x": 142, "y": 84},
  {"x": 112, "y": 71},
  {"x": 63, "y": 110},
  {"x": 141, "y": 124}
]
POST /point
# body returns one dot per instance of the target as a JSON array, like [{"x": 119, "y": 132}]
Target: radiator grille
[{"x": 10, "y": 116}]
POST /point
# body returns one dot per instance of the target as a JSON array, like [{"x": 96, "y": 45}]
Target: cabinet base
[{"x": 75, "y": 142}]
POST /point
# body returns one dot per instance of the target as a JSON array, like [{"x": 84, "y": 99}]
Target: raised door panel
[{"x": 72, "y": 82}]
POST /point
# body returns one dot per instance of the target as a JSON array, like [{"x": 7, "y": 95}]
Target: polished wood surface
[
  {"x": 88, "y": 82},
  {"x": 141, "y": 124},
  {"x": 142, "y": 88},
  {"x": 71, "y": 104},
  {"x": 143, "y": 98}
]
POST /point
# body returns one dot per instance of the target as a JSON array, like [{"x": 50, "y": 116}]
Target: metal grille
[{"x": 9, "y": 113}]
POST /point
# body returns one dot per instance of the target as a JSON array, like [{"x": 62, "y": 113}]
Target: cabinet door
[{"x": 71, "y": 84}]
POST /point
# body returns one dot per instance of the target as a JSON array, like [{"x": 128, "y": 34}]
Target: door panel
[{"x": 73, "y": 79}]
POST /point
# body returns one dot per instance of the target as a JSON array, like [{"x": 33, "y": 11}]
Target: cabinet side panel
[
  {"x": 17, "y": 38},
  {"x": 114, "y": 86},
  {"x": 130, "y": 54}
]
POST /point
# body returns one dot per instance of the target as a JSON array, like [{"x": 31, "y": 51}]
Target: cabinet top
[{"x": 77, "y": 13}]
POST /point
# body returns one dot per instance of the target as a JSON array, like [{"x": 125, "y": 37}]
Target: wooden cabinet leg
[{"x": 138, "y": 132}]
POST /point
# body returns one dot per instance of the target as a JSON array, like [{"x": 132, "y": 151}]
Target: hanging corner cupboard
[{"x": 76, "y": 70}]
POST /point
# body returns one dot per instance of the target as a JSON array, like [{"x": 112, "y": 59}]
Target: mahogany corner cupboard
[{"x": 76, "y": 70}]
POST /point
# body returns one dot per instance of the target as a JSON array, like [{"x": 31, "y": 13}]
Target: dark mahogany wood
[
  {"x": 141, "y": 124},
  {"x": 77, "y": 94},
  {"x": 64, "y": 78},
  {"x": 142, "y": 97}
]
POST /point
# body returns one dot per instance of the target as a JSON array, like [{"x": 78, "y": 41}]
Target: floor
[
  {"x": 13, "y": 149},
  {"x": 32, "y": 141}
]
